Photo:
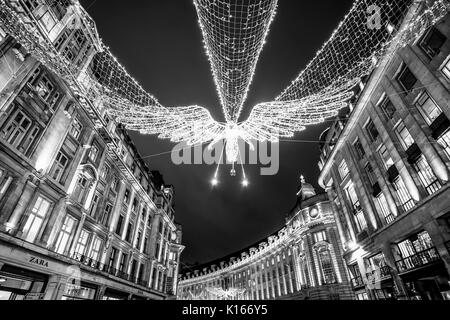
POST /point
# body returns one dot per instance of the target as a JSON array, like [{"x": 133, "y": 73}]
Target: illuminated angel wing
[
  {"x": 193, "y": 125},
  {"x": 270, "y": 121}
]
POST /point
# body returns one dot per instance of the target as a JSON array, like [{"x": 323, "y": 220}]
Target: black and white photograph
[{"x": 217, "y": 157}]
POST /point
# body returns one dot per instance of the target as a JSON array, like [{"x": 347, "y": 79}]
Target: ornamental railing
[{"x": 418, "y": 260}]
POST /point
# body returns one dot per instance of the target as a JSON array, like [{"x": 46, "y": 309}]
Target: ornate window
[
  {"x": 82, "y": 243},
  {"x": 326, "y": 264},
  {"x": 93, "y": 153},
  {"x": 65, "y": 234},
  {"x": 59, "y": 166},
  {"x": 20, "y": 131},
  {"x": 36, "y": 219},
  {"x": 75, "y": 129},
  {"x": 85, "y": 182},
  {"x": 96, "y": 247}
]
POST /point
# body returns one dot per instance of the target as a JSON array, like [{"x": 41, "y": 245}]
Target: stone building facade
[
  {"x": 301, "y": 261},
  {"x": 385, "y": 166},
  {"x": 81, "y": 217}
]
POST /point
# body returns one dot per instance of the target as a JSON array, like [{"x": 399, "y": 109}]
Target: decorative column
[
  {"x": 77, "y": 234},
  {"x": 54, "y": 224},
  {"x": 297, "y": 271},
  {"x": 28, "y": 194}
]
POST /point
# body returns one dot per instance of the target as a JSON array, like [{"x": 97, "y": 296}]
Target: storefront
[
  {"x": 111, "y": 294},
  {"x": 21, "y": 284},
  {"x": 80, "y": 292},
  {"x": 428, "y": 283}
]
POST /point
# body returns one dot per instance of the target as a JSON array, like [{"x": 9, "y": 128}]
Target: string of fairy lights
[{"x": 234, "y": 33}]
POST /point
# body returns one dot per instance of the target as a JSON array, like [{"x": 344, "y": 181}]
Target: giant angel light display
[{"x": 234, "y": 33}]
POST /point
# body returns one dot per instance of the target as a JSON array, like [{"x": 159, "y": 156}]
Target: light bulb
[
  {"x": 214, "y": 182},
  {"x": 245, "y": 182}
]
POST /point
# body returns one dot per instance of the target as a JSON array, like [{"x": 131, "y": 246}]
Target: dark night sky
[{"x": 160, "y": 44}]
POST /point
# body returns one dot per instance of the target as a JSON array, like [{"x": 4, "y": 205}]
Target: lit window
[
  {"x": 426, "y": 175},
  {"x": 385, "y": 157},
  {"x": 387, "y": 215},
  {"x": 372, "y": 131},
  {"x": 95, "y": 250},
  {"x": 81, "y": 246},
  {"x": 433, "y": 42},
  {"x": 403, "y": 194},
  {"x": 93, "y": 153},
  {"x": 444, "y": 141},
  {"x": 446, "y": 69},
  {"x": 416, "y": 251},
  {"x": 326, "y": 262},
  {"x": 428, "y": 108},
  {"x": 343, "y": 169},
  {"x": 34, "y": 223},
  {"x": 407, "y": 79},
  {"x": 59, "y": 166},
  {"x": 403, "y": 134},
  {"x": 65, "y": 234}
]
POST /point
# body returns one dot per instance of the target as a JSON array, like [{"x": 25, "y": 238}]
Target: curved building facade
[{"x": 300, "y": 261}]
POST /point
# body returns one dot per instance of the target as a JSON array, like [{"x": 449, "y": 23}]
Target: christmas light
[
  {"x": 214, "y": 182},
  {"x": 234, "y": 34}
]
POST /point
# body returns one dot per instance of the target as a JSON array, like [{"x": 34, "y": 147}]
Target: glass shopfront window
[{"x": 81, "y": 292}]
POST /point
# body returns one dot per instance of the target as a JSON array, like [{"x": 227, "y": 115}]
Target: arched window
[{"x": 326, "y": 264}]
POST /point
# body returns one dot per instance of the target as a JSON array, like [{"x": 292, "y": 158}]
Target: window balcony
[{"x": 418, "y": 260}]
